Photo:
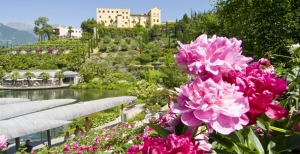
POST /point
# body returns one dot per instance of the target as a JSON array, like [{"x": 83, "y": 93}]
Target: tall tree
[
  {"x": 88, "y": 26},
  {"x": 60, "y": 76},
  {"x": 42, "y": 29},
  {"x": 28, "y": 75},
  {"x": 70, "y": 31},
  {"x": 15, "y": 76},
  {"x": 45, "y": 76}
]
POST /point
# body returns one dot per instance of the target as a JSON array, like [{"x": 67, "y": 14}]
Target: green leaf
[
  {"x": 283, "y": 143},
  {"x": 223, "y": 141},
  {"x": 231, "y": 146},
  {"x": 161, "y": 131},
  {"x": 237, "y": 137},
  {"x": 255, "y": 142},
  {"x": 180, "y": 128}
]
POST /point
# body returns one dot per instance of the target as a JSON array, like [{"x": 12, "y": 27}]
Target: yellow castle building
[{"x": 123, "y": 18}]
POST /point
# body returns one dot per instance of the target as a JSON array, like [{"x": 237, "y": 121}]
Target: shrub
[
  {"x": 114, "y": 47},
  {"x": 132, "y": 53},
  {"x": 118, "y": 39},
  {"x": 124, "y": 47},
  {"x": 106, "y": 39},
  {"x": 128, "y": 40},
  {"x": 103, "y": 48},
  {"x": 134, "y": 46}
]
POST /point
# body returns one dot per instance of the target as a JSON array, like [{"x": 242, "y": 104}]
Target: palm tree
[
  {"x": 28, "y": 75},
  {"x": 111, "y": 22},
  {"x": 70, "y": 31},
  {"x": 15, "y": 76},
  {"x": 45, "y": 76},
  {"x": 59, "y": 75}
]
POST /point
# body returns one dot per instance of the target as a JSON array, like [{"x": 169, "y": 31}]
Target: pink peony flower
[
  {"x": 173, "y": 144},
  {"x": 213, "y": 56},
  {"x": 66, "y": 148},
  {"x": 3, "y": 142},
  {"x": 79, "y": 152},
  {"x": 74, "y": 145},
  {"x": 96, "y": 140},
  {"x": 95, "y": 148},
  {"x": 219, "y": 105},
  {"x": 259, "y": 84},
  {"x": 82, "y": 147}
]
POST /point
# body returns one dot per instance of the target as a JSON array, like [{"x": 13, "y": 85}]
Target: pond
[{"x": 81, "y": 95}]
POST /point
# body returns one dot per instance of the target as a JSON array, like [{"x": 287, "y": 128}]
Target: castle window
[
  {"x": 125, "y": 22},
  {"x": 126, "y": 12},
  {"x": 99, "y": 16},
  {"x": 99, "y": 11},
  {"x": 105, "y": 21},
  {"x": 153, "y": 20},
  {"x": 122, "y": 12},
  {"x": 126, "y": 17},
  {"x": 112, "y": 11},
  {"x": 107, "y": 11},
  {"x": 157, "y": 20},
  {"x": 117, "y": 11},
  {"x": 123, "y": 17},
  {"x": 103, "y": 11},
  {"x": 108, "y": 16}
]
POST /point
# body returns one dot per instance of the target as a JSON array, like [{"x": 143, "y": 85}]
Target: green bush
[
  {"x": 118, "y": 39},
  {"x": 128, "y": 40},
  {"x": 134, "y": 46},
  {"x": 103, "y": 48},
  {"x": 106, "y": 39},
  {"x": 114, "y": 48},
  {"x": 124, "y": 47}
]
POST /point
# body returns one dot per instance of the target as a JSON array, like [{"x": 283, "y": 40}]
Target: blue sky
[{"x": 73, "y": 12}]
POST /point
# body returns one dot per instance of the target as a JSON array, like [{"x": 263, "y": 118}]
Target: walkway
[
  {"x": 32, "y": 88},
  {"x": 58, "y": 141}
]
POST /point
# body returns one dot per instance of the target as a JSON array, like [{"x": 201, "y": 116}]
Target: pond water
[{"x": 80, "y": 95}]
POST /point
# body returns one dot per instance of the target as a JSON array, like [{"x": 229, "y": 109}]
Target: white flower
[{"x": 293, "y": 48}]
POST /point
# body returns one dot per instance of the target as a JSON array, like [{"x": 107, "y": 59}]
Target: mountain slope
[
  {"x": 15, "y": 36},
  {"x": 21, "y": 26}
]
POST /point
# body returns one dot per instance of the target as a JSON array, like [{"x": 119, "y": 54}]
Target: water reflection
[{"x": 78, "y": 94}]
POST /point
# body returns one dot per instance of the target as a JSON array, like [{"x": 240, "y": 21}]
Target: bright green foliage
[
  {"x": 2, "y": 73},
  {"x": 103, "y": 48},
  {"x": 143, "y": 89},
  {"x": 88, "y": 26},
  {"x": 106, "y": 39},
  {"x": 114, "y": 47},
  {"x": 124, "y": 47},
  {"x": 134, "y": 46},
  {"x": 173, "y": 76},
  {"x": 118, "y": 39},
  {"x": 128, "y": 40},
  {"x": 42, "y": 28},
  {"x": 45, "y": 76}
]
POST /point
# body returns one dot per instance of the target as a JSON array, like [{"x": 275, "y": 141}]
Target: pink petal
[
  {"x": 223, "y": 124},
  {"x": 189, "y": 119},
  {"x": 276, "y": 112}
]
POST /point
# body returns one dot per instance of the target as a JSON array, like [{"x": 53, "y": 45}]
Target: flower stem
[
  {"x": 283, "y": 130},
  {"x": 195, "y": 131}
]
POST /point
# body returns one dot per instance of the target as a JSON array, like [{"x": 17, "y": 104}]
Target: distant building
[
  {"x": 62, "y": 31},
  {"x": 169, "y": 21},
  {"x": 123, "y": 18},
  {"x": 70, "y": 77}
]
